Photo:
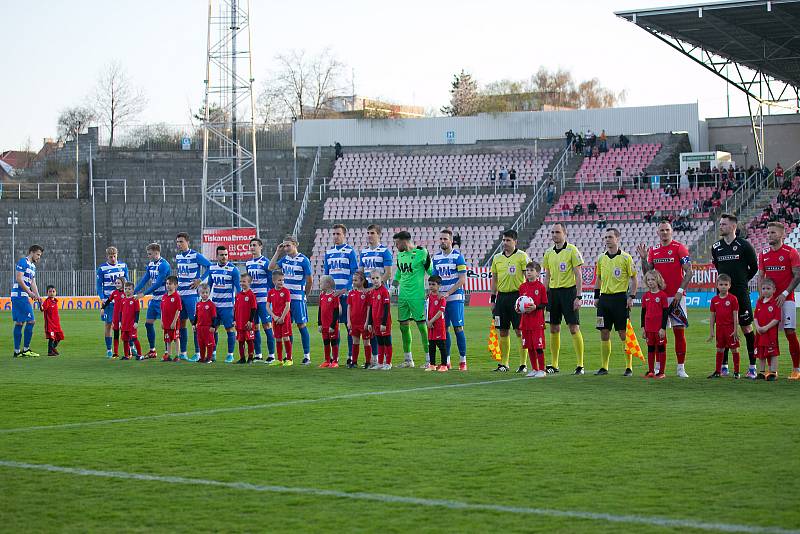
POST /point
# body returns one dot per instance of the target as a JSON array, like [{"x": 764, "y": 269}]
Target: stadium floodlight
[{"x": 230, "y": 198}]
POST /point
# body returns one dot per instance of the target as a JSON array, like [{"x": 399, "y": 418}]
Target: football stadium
[{"x": 535, "y": 309}]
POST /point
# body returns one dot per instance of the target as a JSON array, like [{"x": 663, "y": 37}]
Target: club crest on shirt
[
  {"x": 247, "y": 299},
  {"x": 512, "y": 269},
  {"x": 658, "y": 299},
  {"x": 363, "y": 296},
  {"x": 562, "y": 267},
  {"x": 770, "y": 308},
  {"x": 617, "y": 272},
  {"x": 727, "y": 303},
  {"x": 669, "y": 252},
  {"x": 780, "y": 258},
  {"x": 172, "y": 299}
]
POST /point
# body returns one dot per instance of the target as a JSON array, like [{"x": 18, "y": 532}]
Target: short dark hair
[
  {"x": 154, "y": 246},
  {"x": 403, "y": 234},
  {"x": 277, "y": 274},
  {"x": 257, "y": 240},
  {"x": 562, "y": 225},
  {"x": 613, "y": 230},
  {"x": 183, "y": 235},
  {"x": 129, "y": 284},
  {"x": 376, "y": 227},
  {"x": 436, "y": 279},
  {"x": 35, "y": 248},
  {"x": 534, "y": 265},
  {"x": 245, "y": 275},
  {"x": 724, "y": 278},
  {"x": 221, "y": 247},
  {"x": 340, "y": 226},
  {"x": 173, "y": 279},
  {"x": 730, "y": 216},
  {"x": 665, "y": 221},
  {"x": 51, "y": 286},
  {"x": 447, "y": 231},
  {"x": 511, "y": 234}
]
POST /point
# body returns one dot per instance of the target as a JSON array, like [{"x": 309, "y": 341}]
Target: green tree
[{"x": 465, "y": 99}]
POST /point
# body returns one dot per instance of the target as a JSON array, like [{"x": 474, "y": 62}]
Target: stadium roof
[{"x": 758, "y": 34}]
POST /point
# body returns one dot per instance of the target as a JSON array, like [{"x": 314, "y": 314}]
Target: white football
[{"x": 523, "y": 304}]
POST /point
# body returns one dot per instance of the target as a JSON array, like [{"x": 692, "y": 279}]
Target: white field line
[
  {"x": 281, "y": 404},
  {"x": 654, "y": 521}
]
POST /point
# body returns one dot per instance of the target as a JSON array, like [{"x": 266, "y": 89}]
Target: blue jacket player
[
  {"x": 192, "y": 267},
  {"x": 223, "y": 279},
  {"x": 155, "y": 280},
  {"x": 24, "y": 287},
  {"x": 107, "y": 273},
  {"x": 341, "y": 263},
  {"x": 450, "y": 265},
  {"x": 296, "y": 269},
  {"x": 261, "y": 283}
]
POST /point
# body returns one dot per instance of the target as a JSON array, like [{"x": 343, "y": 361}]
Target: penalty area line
[
  {"x": 266, "y": 406},
  {"x": 654, "y": 521}
]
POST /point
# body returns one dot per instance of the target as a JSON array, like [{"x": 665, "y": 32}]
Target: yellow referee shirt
[
  {"x": 559, "y": 264},
  {"x": 509, "y": 271},
  {"x": 615, "y": 272}
]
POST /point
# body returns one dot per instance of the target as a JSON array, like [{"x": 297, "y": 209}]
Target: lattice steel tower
[{"x": 230, "y": 177}]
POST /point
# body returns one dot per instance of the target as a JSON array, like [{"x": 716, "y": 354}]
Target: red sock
[
  {"x": 137, "y": 345},
  {"x": 367, "y": 353},
  {"x": 651, "y": 361},
  {"x": 251, "y": 348},
  {"x": 533, "y": 359},
  {"x": 381, "y": 354},
  {"x": 327, "y": 350},
  {"x": 126, "y": 348},
  {"x": 116, "y": 344},
  {"x": 388, "y": 357},
  {"x": 662, "y": 360},
  {"x": 736, "y": 361},
  {"x": 540, "y": 359},
  {"x": 335, "y": 351},
  {"x": 718, "y": 367},
  {"x": 680, "y": 344},
  {"x": 794, "y": 348},
  {"x": 356, "y": 349},
  {"x": 279, "y": 350},
  {"x": 288, "y": 345},
  {"x": 241, "y": 350}
]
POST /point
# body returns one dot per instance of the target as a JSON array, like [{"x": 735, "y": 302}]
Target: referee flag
[
  {"x": 494, "y": 343},
  {"x": 632, "y": 347}
]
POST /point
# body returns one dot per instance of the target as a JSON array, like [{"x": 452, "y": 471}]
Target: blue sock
[
  {"x": 196, "y": 344},
  {"x": 461, "y": 341},
  {"x": 151, "y": 335},
  {"x": 184, "y": 339},
  {"x": 17, "y": 337},
  {"x": 373, "y": 342},
  {"x": 108, "y": 342},
  {"x": 216, "y": 341},
  {"x": 270, "y": 341},
  {"x": 306, "y": 339},
  {"x": 231, "y": 342},
  {"x": 28, "y": 335},
  {"x": 257, "y": 342},
  {"x": 448, "y": 341},
  {"x": 349, "y": 347}
]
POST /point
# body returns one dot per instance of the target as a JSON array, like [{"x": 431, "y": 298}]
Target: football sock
[
  {"x": 17, "y": 337},
  {"x": 116, "y": 341},
  {"x": 288, "y": 346},
  {"x": 423, "y": 332},
  {"x": 356, "y": 350},
  {"x": 374, "y": 345},
  {"x": 108, "y": 342},
  {"x": 305, "y": 339},
  {"x": 540, "y": 358},
  {"x": 367, "y": 353},
  {"x": 137, "y": 345},
  {"x": 718, "y": 365},
  {"x": 725, "y": 358},
  {"x": 250, "y": 347},
  {"x": 335, "y": 350},
  {"x": 736, "y": 361},
  {"x": 461, "y": 341},
  {"x": 270, "y": 341},
  {"x": 523, "y": 353},
  {"x": 241, "y": 350},
  {"x": 183, "y": 336},
  {"x": 279, "y": 350},
  {"x": 231, "y": 342},
  {"x": 794, "y": 348},
  {"x": 349, "y": 346},
  {"x": 448, "y": 343},
  {"x": 381, "y": 355},
  {"x": 505, "y": 348},
  {"x": 126, "y": 349},
  {"x": 555, "y": 348},
  {"x": 662, "y": 359},
  {"x": 326, "y": 343},
  {"x": 405, "y": 333},
  {"x": 151, "y": 335},
  {"x": 196, "y": 344},
  {"x": 533, "y": 359},
  {"x": 577, "y": 341},
  {"x": 605, "y": 353},
  {"x": 651, "y": 359},
  {"x": 28, "y": 335},
  {"x": 750, "y": 339},
  {"x": 50, "y": 345},
  {"x": 680, "y": 345},
  {"x": 388, "y": 351},
  {"x": 257, "y": 341}
]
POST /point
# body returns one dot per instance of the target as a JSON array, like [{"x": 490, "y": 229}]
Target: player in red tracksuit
[
  {"x": 380, "y": 320},
  {"x": 724, "y": 316},
  {"x": 357, "y": 317},
  {"x": 655, "y": 309},
  {"x": 767, "y": 316},
  {"x": 328, "y": 322},
  {"x": 52, "y": 322},
  {"x": 171, "y": 306},
  {"x": 129, "y": 321},
  {"x": 245, "y": 312},
  {"x": 278, "y": 305},
  {"x": 205, "y": 324},
  {"x": 531, "y": 324},
  {"x": 437, "y": 329},
  {"x": 114, "y": 298}
]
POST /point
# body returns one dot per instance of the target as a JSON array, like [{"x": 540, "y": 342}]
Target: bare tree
[
  {"x": 117, "y": 100},
  {"x": 302, "y": 86},
  {"x": 73, "y": 121}
]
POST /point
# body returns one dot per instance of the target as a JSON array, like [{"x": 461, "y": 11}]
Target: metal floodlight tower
[{"x": 229, "y": 141}]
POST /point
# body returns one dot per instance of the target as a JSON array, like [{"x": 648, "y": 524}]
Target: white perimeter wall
[{"x": 500, "y": 126}]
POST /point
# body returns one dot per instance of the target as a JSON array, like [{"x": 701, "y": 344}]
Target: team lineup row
[{"x": 520, "y": 302}]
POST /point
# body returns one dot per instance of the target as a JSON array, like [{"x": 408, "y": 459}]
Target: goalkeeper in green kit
[{"x": 409, "y": 277}]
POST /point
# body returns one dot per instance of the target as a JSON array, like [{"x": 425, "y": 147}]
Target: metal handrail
[{"x": 307, "y": 194}]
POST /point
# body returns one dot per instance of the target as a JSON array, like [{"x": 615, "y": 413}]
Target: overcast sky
[{"x": 406, "y": 52}]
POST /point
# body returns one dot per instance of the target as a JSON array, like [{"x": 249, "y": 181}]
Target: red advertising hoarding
[{"x": 237, "y": 240}]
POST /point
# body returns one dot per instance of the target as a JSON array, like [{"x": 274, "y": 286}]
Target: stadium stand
[
  {"x": 444, "y": 207},
  {"x": 631, "y": 160},
  {"x": 381, "y": 170}
]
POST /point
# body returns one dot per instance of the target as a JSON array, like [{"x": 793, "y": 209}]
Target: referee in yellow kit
[
  {"x": 508, "y": 273},
  {"x": 562, "y": 264},
  {"x": 613, "y": 296}
]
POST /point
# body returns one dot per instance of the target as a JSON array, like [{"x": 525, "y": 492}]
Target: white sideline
[
  {"x": 654, "y": 521},
  {"x": 214, "y": 411}
]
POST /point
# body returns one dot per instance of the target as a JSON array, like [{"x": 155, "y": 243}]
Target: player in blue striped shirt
[
  {"x": 107, "y": 273},
  {"x": 296, "y": 269},
  {"x": 375, "y": 257},
  {"x": 450, "y": 265},
  {"x": 261, "y": 283},
  {"x": 223, "y": 279},
  {"x": 188, "y": 263},
  {"x": 21, "y": 309},
  {"x": 341, "y": 263},
  {"x": 158, "y": 270}
]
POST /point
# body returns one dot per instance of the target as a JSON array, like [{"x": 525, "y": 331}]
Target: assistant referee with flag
[{"x": 614, "y": 292}]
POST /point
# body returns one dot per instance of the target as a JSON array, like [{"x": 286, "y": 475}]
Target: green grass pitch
[{"x": 324, "y": 450}]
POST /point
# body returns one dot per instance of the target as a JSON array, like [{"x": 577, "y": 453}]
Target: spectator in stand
[
  {"x": 492, "y": 175},
  {"x": 337, "y": 147},
  {"x": 783, "y": 196},
  {"x": 578, "y": 144},
  {"x": 696, "y": 206},
  {"x": 577, "y": 209},
  {"x": 764, "y": 172},
  {"x": 673, "y": 191},
  {"x": 551, "y": 192},
  {"x": 565, "y": 209},
  {"x": 685, "y": 213},
  {"x": 512, "y": 176},
  {"x": 595, "y": 152},
  {"x": 716, "y": 195},
  {"x": 706, "y": 206},
  {"x": 623, "y": 141},
  {"x": 778, "y": 171},
  {"x": 796, "y": 215},
  {"x": 592, "y": 207},
  {"x": 716, "y": 204},
  {"x": 621, "y": 194},
  {"x": 650, "y": 215},
  {"x": 601, "y": 222},
  {"x": 797, "y": 170},
  {"x": 503, "y": 173},
  {"x": 570, "y": 135},
  {"x": 603, "y": 141}
]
